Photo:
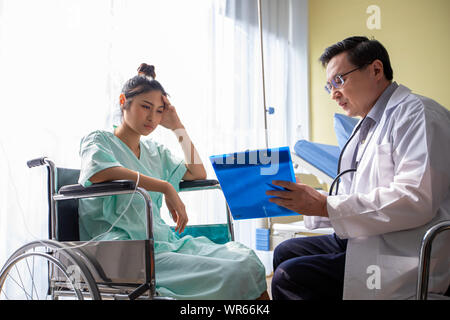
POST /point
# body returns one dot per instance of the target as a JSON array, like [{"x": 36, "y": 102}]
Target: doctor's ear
[{"x": 378, "y": 69}]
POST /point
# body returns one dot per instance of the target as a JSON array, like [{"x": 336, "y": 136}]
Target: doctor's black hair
[
  {"x": 142, "y": 83},
  {"x": 361, "y": 51}
]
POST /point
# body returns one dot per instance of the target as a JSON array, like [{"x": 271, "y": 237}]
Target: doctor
[{"x": 401, "y": 152}]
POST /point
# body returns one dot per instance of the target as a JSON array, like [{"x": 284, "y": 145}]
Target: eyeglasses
[{"x": 338, "y": 81}]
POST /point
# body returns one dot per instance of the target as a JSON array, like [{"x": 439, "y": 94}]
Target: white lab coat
[{"x": 401, "y": 188}]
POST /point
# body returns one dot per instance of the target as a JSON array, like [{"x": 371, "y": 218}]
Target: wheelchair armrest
[
  {"x": 76, "y": 190},
  {"x": 198, "y": 184},
  {"x": 209, "y": 185},
  {"x": 125, "y": 185}
]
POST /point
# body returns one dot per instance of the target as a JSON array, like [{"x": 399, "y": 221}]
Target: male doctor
[{"x": 401, "y": 152}]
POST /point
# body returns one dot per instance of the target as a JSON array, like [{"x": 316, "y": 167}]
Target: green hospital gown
[{"x": 187, "y": 267}]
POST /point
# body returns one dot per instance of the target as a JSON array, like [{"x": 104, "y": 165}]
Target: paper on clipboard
[{"x": 246, "y": 176}]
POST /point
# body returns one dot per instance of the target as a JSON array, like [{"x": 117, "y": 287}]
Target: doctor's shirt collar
[{"x": 378, "y": 109}]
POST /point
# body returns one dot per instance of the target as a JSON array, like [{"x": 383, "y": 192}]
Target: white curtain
[
  {"x": 286, "y": 76},
  {"x": 63, "y": 63}
]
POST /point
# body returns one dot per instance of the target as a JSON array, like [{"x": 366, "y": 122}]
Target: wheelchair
[{"x": 64, "y": 267}]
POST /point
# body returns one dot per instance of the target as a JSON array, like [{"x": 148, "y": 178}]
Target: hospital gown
[{"x": 187, "y": 267}]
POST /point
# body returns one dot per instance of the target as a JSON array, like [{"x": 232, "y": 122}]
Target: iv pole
[
  {"x": 264, "y": 223},
  {"x": 263, "y": 71}
]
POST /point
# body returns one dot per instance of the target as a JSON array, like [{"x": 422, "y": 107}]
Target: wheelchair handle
[
  {"x": 198, "y": 184},
  {"x": 36, "y": 162}
]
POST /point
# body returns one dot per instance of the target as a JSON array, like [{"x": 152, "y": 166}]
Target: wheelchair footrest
[{"x": 139, "y": 291}]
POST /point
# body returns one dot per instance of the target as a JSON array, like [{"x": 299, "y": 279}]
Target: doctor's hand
[
  {"x": 299, "y": 198},
  {"x": 170, "y": 119},
  {"x": 176, "y": 208}
]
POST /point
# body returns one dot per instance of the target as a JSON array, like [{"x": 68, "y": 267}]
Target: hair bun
[{"x": 147, "y": 70}]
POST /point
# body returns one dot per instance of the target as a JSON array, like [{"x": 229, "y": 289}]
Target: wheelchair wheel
[{"x": 46, "y": 270}]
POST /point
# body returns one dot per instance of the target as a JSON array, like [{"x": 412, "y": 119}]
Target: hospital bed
[
  {"x": 319, "y": 159},
  {"x": 64, "y": 267}
]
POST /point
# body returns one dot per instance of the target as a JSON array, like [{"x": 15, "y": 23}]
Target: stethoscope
[{"x": 340, "y": 174}]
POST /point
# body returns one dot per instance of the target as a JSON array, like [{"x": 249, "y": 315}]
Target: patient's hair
[
  {"x": 361, "y": 51},
  {"x": 142, "y": 83}
]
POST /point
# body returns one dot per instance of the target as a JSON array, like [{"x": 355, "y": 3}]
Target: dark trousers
[{"x": 309, "y": 268}]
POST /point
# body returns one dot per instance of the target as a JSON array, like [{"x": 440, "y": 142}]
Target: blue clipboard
[{"x": 246, "y": 176}]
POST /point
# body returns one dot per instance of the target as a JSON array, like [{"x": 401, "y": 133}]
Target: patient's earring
[{"x": 122, "y": 99}]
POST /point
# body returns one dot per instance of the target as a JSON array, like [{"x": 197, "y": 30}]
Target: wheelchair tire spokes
[{"x": 34, "y": 272}]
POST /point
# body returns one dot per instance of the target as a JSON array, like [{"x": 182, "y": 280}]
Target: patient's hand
[
  {"x": 170, "y": 119},
  {"x": 176, "y": 208},
  {"x": 300, "y": 198}
]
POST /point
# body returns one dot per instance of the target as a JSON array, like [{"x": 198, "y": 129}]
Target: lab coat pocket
[
  {"x": 398, "y": 275},
  {"x": 383, "y": 165}
]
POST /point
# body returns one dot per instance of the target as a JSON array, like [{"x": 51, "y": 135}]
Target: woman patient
[{"x": 186, "y": 267}]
